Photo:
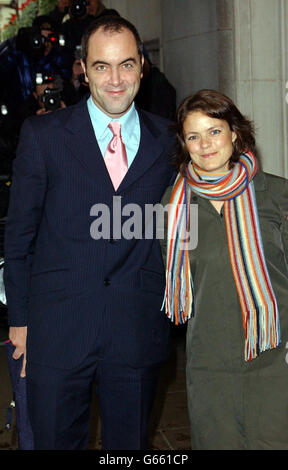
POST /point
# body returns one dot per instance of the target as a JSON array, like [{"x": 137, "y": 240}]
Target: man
[
  {"x": 45, "y": 98},
  {"x": 59, "y": 12},
  {"x": 75, "y": 88},
  {"x": 33, "y": 50},
  {"x": 74, "y": 27},
  {"x": 91, "y": 307},
  {"x": 156, "y": 93},
  {"x": 56, "y": 59},
  {"x": 96, "y": 7}
]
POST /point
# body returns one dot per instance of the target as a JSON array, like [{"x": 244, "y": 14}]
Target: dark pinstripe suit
[{"x": 71, "y": 290}]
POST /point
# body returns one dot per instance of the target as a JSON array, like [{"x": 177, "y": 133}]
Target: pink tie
[{"x": 115, "y": 156}]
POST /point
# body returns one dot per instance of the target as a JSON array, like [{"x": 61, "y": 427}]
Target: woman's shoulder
[
  {"x": 277, "y": 186},
  {"x": 271, "y": 182},
  {"x": 167, "y": 195},
  {"x": 275, "y": 179}
]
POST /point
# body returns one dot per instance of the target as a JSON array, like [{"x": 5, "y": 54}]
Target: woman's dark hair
[
  {"x": 216, "y": 105},
  {"x": 112, "y": 23}
]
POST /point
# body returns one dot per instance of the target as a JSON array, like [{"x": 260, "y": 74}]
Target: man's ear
[
  {"x": 142, "y": 65},
  {"x": 84, "y": 68}
]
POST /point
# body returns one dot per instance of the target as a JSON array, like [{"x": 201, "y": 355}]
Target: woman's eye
[
  {"x": 215, "y": 131},
  {"x": 192, "y": 137}
]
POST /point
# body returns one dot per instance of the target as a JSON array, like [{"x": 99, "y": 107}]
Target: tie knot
[{"x": 115, "y": 127}]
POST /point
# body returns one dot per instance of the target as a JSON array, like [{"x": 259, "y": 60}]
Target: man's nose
[{"x": 115, "y": 77}]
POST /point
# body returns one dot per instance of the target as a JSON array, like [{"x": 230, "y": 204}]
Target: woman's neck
[{"x": 217, "y": 204}]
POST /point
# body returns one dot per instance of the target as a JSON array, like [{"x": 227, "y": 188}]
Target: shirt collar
[{"x": 100, "y": 120}]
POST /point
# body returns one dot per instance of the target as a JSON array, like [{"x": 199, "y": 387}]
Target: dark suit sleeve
[{"x": 24, "y": 215}]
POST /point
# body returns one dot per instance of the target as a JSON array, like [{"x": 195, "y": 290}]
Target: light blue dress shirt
[{"x": 130, "y": 129}]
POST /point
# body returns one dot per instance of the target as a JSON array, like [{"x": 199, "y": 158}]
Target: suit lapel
[
  {"x": 81, "y": 141},
  {"x": 150, "y": 148}
]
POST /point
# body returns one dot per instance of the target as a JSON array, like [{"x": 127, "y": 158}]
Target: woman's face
[{"x": 208, "y": 141}]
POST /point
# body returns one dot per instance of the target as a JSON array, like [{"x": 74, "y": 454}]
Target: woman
[{"x": 233, "y": 287}]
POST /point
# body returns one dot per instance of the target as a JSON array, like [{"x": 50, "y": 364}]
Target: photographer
[
  {"x": 76, "y": 88},
  {"x": 60, "y": 10},
  {"x": 96, "y": 8},
  {"x": 56, "y": 58},
  {"x": 156, "y": 94},
  {"x": 15, "y": 77},
  {"x": 34, "y": 49},
  {"x": 46, "y": 96},
  {"x": 8, "y": 144},
  {"x": 75, "y": 26}
]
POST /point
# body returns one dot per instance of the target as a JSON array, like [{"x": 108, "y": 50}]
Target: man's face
[
  {"x": 93, "y": 7},
  {"x": 113, "y": 70},
  {"x": 77, "y": 68},
  {"x": 48, "y": 45}
]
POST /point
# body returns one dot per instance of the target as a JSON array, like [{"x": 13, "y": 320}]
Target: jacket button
[
  {"x": 195, "y": 198},
  {"x": 107, "y": 282}
]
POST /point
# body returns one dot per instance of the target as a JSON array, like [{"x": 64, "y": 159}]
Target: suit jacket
[{"x": 59, "y": 280}]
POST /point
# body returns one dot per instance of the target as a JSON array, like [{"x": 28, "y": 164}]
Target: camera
[
  {"x": 4, "y": 116},
  {"x": 43, "y": 78},
  {"x": 78, "y": 8},
  {"x": 30, "y": 41},
  {"x": 51, "y": 99},
  {"x": 3, "y": 111}
]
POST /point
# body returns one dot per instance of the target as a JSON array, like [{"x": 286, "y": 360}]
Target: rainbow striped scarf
[{"x": 256, "y": 296}]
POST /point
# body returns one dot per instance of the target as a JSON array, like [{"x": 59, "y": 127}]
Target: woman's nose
[{"x": 205, "y": 142}]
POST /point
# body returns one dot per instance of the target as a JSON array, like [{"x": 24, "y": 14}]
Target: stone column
[{"x": 260, "y": 57}]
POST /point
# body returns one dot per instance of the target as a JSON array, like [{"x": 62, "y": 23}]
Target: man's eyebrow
[
  {"x": 130, "y": 59},
  {"x": 98, "y": 62},
  {"x": 102, "y": 62}
]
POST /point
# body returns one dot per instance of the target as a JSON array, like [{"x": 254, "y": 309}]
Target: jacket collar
[
  {"x": 81, "y": 141},
  {"x": 260, "y": 183}
]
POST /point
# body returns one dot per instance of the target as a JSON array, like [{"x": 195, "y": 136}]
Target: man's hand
[
  {"x": 42, "y": 111},
  {"x": 17, "y": 336}
]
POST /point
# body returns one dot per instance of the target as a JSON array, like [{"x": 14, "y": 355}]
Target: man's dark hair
[
  {"x": 44, "y": 22},
  {"x": 113, "y": 23}
]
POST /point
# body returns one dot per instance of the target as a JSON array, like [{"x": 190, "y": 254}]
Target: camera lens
[
  {"x": 78, "y": 8},
  {"x": 4, "y": 110}
]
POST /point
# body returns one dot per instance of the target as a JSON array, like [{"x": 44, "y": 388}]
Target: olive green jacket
[
  {"x": 233, "y": 403},
  {"x": 214, "y": 285}
]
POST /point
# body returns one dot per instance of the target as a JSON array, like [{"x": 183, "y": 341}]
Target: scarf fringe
[
  {"x": 262, "y": 337},
  {"x": 178, "y": 310}
]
